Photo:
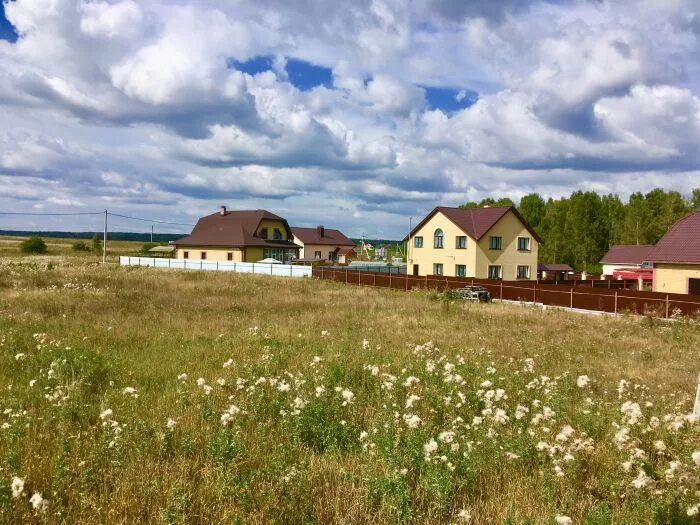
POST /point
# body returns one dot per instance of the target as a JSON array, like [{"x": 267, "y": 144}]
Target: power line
[
  {"x": 149, "y": 220},
  {"x": 43, "y": 214}
]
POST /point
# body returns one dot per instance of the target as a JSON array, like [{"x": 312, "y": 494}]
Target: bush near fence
[{"x": 576, "y": 297}]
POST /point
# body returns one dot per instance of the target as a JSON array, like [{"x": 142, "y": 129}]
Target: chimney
[
  {"x": 222, "y": 210},
  {"x": 320, "y": 230}
]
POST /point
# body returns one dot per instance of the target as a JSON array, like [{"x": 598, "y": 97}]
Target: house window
[
  {"x": 317, "y": 255},
  {"x": 494, "y": 272},
  {"x": 524, "y": 244},
  {"x": 229, "y": 256},
  {"x": 332, "y": 257},
  {"x": 273, "y": 253},
  {"x": 263, "y": 233},
  {"x": 523, "y": 272},
  {"x": 276, "y": 234},
  {"x": 185, "y": 255},
  {"x": 495, "y": 243},
  {"x": 461, "y": 270},
  {"x": 461, "y": 242},
  {"x": 437, "y": 269},
  {"x": 203, "y": 256},
  {"x": 418, "y": 242},
  {"x": 439, "y": 239}
]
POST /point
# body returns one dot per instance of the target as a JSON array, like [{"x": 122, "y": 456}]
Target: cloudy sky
[{"x": 352, "y": 114}]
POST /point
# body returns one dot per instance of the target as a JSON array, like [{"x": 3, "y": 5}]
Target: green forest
[{"x": 579, "y": 229}]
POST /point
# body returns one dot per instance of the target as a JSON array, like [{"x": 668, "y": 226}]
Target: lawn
[{"x": 135, "y": 395}]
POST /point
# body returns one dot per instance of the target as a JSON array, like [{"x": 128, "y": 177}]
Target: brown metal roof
[
  {"x": 346, "y": 251},
  {"x": 476, "y": 222},
  {"x": 330, "y": 237},
  {"x": 236, "y": 229},
  {"x": 681, "y": 244},
  {"x": 554, "y": 267},
  {"x": 627, "y": 254}
]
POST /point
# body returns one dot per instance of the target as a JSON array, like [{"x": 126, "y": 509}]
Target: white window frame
[
  {"x": 500, "y": 271},
  {"x": 435, "y": 269},
  {"x": 517, "y": 271}
]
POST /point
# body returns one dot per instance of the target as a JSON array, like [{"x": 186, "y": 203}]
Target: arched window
[{"x": 439, "y": 239}]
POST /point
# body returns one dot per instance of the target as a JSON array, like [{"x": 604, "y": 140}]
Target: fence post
[
  {"x": 534, "y": 293},
  {"x": 359, "y": 277},
  {"x": 201, "y": 262},
  {"x": 346, "y": 276},
  {"x": 615, "y": 302},
  {"x": 666, "y": 306},
  {"x": 501, "y": 290},
  {"x": 169, "y": 262},
  {"x": 312, "y": 269},
  {"x": 390, "y": 280},
  {"x": 374, "y": 279},
  {"x": 572, "y": 299},
  {"x": 217, "y": 266}
]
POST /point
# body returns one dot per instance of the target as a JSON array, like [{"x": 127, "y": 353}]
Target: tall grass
[{"x": 142, "y": 395}]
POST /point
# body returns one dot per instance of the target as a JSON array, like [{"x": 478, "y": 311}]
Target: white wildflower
[
  {"x": 347, "y": 396},
  {"x": 411, "y": 420},
  {"x": 464, "y": 516},
  {"x": 17, "y": 487},
  {"x": 430, "y": 447},
  {"x": 582, "y": 381},
  {"x": 563, "y": 520},
  {"x": 182, "y": 377},
  {"x": 446, "y": 437},
  {"x": 201, "y": 382},
  {"x": 696, "y": 457},
  {"x": 693, "y": 511},
  {"x": 170, "y": 424},
  {"x": 130, "y": 391},
  {"x": 325, "y": 333},
  {"x": 221, "y": 381},
  {"x": 38, "y": 502},
  {"x": 106, "y": 414}
]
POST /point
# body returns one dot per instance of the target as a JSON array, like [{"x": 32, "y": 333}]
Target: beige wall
[
  {"x": 673, "y": 278},
  {"x": 213, "y": 253},
  {"x": 309, "y": 250},
  {"x": 271, "y": 225},
  {"x": 477, "y": 256},
  {"x": 509, "y": 228}
]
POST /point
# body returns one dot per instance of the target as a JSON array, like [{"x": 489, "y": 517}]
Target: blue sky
[{"x": 168, "y": 109}]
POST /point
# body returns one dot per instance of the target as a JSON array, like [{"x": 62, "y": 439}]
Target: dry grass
[{"x": 139, "y": 327}]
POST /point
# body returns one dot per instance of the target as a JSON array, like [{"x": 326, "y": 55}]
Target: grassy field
[
  {"x": 134, "y": 395},
  {"x": 60, "y": 250}
]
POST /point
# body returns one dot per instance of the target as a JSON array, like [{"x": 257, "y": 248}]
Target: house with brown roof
[
  {"x": 239, "y": 236},
  {"x": 487, "y": 243},
  {"x": 676, "y": 257},
  {"x": 554, "y": 271},
  {"x": 622, "y": 257},
  {"x": 322, "y": 243}
]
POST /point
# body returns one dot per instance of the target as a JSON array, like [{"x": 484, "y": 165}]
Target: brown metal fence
[{"x": 584, "y": 297}]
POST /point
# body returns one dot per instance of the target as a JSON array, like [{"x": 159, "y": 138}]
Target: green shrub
[
  {"x": 147, "y": 246},
  {"x": 80, "y": 246},
  {"x": 33, "y": 245},
  {"x": 96, "y": 243}
]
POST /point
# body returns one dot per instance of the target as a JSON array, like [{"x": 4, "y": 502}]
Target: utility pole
[
  {"x": 151, "y": 233},
  {"x": 104, "y": 241}
]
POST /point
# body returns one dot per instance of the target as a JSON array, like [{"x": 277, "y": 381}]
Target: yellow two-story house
[
  {"x": 485, "y": 243},
  {"x": 239, "y": 236}
]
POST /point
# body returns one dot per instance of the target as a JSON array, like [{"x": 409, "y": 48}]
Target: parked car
[{"x": 474, "y": 293}]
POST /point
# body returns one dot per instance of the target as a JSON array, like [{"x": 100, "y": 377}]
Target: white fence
[{"x": 284, "y": 270}]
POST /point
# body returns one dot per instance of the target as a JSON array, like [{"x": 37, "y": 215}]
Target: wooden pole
[
  {"x": 615, "y": 302},
  {"x": 666, "y": 306},
  {"x": 104, "y": 241},
  {"x": 571, "y": 302}
]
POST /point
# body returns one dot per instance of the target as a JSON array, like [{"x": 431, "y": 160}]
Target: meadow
[{"x": 135, "y": 395}]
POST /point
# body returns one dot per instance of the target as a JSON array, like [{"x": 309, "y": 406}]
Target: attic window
[
  {"x": 263, "y": 233},
  {"x": 276, "y": 234}
]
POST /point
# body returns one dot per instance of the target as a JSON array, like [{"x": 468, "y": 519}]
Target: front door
[
  {"x": 694, "y": 286},
  {"x": 415, "y": 269}
]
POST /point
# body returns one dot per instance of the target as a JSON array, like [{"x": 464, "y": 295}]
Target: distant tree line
[{"x": 579, "y": 229}]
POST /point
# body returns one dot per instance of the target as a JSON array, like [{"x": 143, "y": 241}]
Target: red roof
[
  {"x": 330, "y": 237},
  {"x": 234, "y": 228},
  {"x": 681, "y": 244},
  {"x": 346, "y": 251},
  {"x": 476, "y": 222},
  {"x": 627, "y": 254}
]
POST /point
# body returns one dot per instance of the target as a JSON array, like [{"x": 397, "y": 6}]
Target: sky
[{"x": 355, "y": 115}]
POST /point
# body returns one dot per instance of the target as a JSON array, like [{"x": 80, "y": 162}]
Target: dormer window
[
  {"x": 276, "y": 234},
  {"x": 263, "y": 233}
]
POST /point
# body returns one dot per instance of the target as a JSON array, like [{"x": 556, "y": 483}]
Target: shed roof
[
  {"x": 681, "y": 244},
  {"x": 627, "y": 254},
  {"x": 554, "y": 267},
  {"x": 330, "y": 236},
  {"x": 476, "y": 222},
  {"x": 234, "y": 228}
]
